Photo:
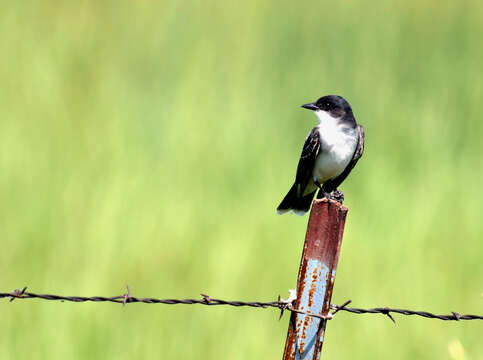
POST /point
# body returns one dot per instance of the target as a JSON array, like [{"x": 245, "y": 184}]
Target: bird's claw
[{"x": 338, "y": 196}]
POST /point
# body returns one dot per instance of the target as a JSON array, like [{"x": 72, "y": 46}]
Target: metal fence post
[{"x": 315, "y": 280}]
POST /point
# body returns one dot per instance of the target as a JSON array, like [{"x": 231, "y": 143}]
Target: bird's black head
[{"x": 335, "y": 105}]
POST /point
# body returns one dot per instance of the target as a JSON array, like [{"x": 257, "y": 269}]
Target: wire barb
[
  {"x": 456, "y": 315},
  {"x": 338, "y": 308},
  {"x": 207, "y": 300},
  {"x": 17, "y": 293},
  {"x": 387, "y": 312},
  {"x": 127, "y": 296}
]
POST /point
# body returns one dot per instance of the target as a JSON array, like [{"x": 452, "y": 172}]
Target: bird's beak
[{"x": 310, "y": 106}]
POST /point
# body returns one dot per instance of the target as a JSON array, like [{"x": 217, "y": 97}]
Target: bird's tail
[{"x": 299, "y": 205}]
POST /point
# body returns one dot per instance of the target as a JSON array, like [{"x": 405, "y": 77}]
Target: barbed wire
[{"x": 282, "y": 305}]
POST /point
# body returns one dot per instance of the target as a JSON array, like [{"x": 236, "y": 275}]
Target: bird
[{"x": 330, "y": 152}]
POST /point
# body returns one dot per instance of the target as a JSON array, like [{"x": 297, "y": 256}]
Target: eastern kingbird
[{"x": 330, "y": 152}]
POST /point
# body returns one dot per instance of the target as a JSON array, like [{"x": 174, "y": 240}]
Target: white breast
[{"x": 337, "y": 147}]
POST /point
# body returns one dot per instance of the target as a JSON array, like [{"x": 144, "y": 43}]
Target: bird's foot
[{"x": 338, "y": 195}]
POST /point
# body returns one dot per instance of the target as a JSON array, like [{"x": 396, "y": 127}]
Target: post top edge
[{"x": 320, "y": 202}]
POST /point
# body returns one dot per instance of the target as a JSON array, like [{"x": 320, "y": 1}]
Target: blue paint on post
[{"x": 312, "y": 300}]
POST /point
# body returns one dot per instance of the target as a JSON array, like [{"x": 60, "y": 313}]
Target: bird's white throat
[
  {"x": 324, "y": 117},
  {"x": 329, "y": 128}
]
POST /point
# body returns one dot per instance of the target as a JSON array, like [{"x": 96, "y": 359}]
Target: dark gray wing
[
  {"x": 334, "y": 183},
  {"x": 306, "y": 164}
]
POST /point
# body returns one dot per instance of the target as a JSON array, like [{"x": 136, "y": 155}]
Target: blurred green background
[{"x": 149, "y": 143}]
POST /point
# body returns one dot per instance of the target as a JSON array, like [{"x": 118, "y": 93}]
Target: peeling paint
[{"x": 314, "y": 288}]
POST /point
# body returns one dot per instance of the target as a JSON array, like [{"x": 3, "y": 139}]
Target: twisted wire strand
[{"x": 207, "y": 300}]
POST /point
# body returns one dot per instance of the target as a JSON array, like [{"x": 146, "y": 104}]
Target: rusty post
[{"x": 315, "y": 280}]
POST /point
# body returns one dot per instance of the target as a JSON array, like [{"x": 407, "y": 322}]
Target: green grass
[{"x": 149, "y": 143}]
